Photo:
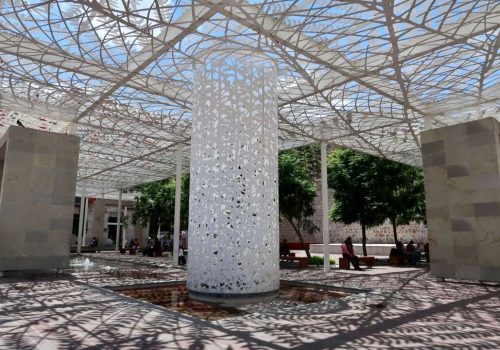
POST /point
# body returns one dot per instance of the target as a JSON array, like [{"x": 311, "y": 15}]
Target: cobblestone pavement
[{"x": 399, "y": 310}]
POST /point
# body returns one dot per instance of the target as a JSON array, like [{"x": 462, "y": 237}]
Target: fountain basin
[{"x": 176, "y": 296}]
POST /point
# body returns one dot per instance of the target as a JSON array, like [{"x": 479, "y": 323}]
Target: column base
[{"x": 233, "y": 299}]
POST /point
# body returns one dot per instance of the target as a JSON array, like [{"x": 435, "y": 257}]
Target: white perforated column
[{"x": 233, "y": 204}]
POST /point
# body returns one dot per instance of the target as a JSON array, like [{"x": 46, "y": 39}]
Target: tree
[
  {"x": 156, "y": 204},
  {"x": 297, "y": 190},
  {"x": 357, "y": 180},
  {"x": 404, "y": 199}
]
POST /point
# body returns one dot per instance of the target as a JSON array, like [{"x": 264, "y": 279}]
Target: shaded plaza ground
[{"x": 407, "y": 309}]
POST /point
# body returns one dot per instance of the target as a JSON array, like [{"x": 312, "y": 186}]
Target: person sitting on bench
[
  {"x": 284, "y": 250},
  {"x": 348, "y": 253},
  {"x": 411, "y": 253},
  {"x": 398, "y": 254}
]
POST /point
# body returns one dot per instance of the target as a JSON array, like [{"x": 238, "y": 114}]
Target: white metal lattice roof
[{"x": 368, "y": 75}]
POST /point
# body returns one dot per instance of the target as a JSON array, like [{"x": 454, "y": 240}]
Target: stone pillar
[
  {"x": 233, "y": 204},
  {"x": 37, "y": 198},
  {"x": 462, "y": 187},
  {"x": 1, "y": 167}
]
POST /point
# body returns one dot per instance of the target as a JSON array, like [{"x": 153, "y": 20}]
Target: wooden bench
[
  {"x": 129, "y": 251},
  {"x": 397, "y": 260},
  {"x": 369, "y": 261},
  {"x": 302, "y": 263},
  {"x": 85, "y": 249}
]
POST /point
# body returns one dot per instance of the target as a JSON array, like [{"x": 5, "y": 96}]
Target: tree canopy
[
  {"x": 156, "y": 204},
  {"x": 369, "y": 190},
  {"x": 297, "y": 188},
  {"x": 403, "y": 198},
  {"x": 356, "y": 181}
]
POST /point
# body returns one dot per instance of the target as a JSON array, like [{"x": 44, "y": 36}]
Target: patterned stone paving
[{"x": 407, "y": 310}]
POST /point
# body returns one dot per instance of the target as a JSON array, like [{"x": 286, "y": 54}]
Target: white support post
[
  {"x": 72, "y": 127},
  {"x": 118, "y": 222},
  {"x": 80, "y": 220},
  {"x": 324, "y": 209},
  {"x": 177, "y": 209},
  {"x": 124, "y": 230},
  {"x": 85, "y": 217},
  {"x": 427, "y": 122}
]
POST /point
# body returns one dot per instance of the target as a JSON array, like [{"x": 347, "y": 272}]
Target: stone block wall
[
  {"x": 339, "y": 232},
  {"x": 36, "y": 199},
  {"x": 462, "y": 185}
]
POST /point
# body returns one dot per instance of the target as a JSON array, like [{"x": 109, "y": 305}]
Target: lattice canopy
[{"x": 368, "y": 75}]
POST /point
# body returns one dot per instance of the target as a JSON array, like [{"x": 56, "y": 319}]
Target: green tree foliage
[
  {"x": 356, "y": 181},
  {"x": 369, "y": 190},
  {"x": 297, "y": 188},
  {"x": 403, "y": 198},
  {"x": 310, "y": 157},
  {"x": 185, "y": 202},
  {"x": 156, "y": 204}
]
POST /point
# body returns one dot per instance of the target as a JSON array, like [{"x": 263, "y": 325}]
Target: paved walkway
[{"x": 398, "y": 310}]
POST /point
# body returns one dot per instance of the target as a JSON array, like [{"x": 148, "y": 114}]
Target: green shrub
[{"x": 318, "y": 260}]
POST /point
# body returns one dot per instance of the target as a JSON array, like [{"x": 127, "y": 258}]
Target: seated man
[
  {"x": 419, "y": 250},
  {"x": 284, "y": 250},
  {"x": 398, "y": 253},
  {"x": 411, "y": 253},
  {"x": 348, "y": 253},
  {"x": 132, "y": 247}
]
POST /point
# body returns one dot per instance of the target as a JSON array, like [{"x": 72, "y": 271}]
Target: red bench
[
  {"x": 369, "y": 261},
  {"x": 302, "y": 263},
  {"x": 298, "y": 246}
]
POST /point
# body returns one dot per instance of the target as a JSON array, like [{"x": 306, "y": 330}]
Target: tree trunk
[
  {"x": 363, "y": 232},
  {"x": 299, "y": 234},
  {"x": 152, "y": 226},
  {"x": 393, "y": 222}
]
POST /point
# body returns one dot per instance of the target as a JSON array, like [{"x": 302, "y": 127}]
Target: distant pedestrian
[{"x": 182, "y": 258}]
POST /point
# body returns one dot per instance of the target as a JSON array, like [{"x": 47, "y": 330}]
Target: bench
[
  {"x": 85, "y": 249},
  {"x": 129, "y": 251},
  {"x": 397, "y": 260},
  {"x": 289, "y": 261},
  {"x": 298, "y": 246},
  {"x": 402, "y": 260},
  {"x": 369, "y": 261}
]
